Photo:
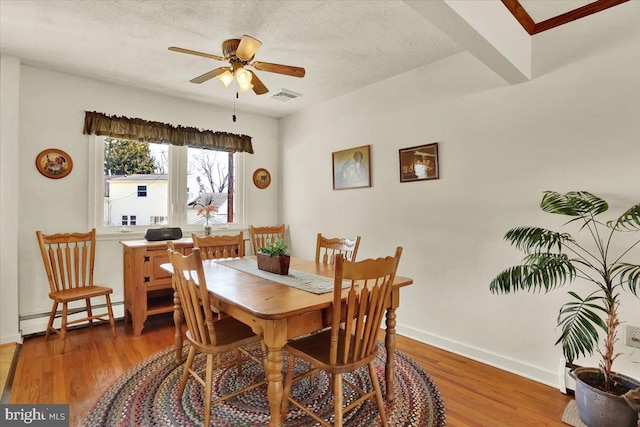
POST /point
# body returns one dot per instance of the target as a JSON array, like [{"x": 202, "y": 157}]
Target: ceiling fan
[{"x": 239, "y": 53}]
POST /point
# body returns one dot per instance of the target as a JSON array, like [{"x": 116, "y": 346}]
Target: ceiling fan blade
[
  {"x": 247, "y": 47},
  {"x": 258, "y": 87},
  {"x": 193, "y": 52},
  {"x": 279, "y": 68},
  {"x": 209, "y": 75}
]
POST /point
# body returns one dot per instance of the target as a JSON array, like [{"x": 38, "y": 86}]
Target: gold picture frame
[
  {"x": 419, "y": 163},
  {"x": 54, "y": 163},
  {"x": 261, "y": 178},
  {"x": 352, "y": 168}
]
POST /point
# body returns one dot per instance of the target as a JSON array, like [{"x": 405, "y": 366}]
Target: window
[
  {"x": 128, "y": 220},
  {"x": 142, "y": 184},
  {"x": 158, "y": 220}
]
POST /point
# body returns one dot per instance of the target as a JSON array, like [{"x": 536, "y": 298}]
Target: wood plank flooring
[
  {"x": 7, "y": 352},
  {"x": 475, "y": 395}
]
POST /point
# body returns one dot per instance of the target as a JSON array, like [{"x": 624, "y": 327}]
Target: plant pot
[
  {"x": 597, "y": 408},
  {"x": 275, "y": 264}
]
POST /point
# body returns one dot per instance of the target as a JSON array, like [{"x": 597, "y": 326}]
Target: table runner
[{"x": 296, "y": 279}]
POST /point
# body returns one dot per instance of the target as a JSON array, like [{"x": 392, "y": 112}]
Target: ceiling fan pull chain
[{"x": 234, "y": 107}]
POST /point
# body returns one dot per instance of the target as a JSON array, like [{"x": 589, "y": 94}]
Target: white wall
[
  {"x": 576, "y": 127},
  {"x": 51, "y": 114},
  {"x": 9, "y": 179}
]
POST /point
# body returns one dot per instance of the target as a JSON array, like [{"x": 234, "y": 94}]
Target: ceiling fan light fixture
[
  {"x": 245, "y": 87},
  {"x": 225, "y": 78},
  {"x": 247, "y": 47},
  {"x": 243, "y": 76}
]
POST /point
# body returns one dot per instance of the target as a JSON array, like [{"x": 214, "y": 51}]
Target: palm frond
[
  {"x": 535, "y": 239},
  {"x": 539, "y": 271},
  {"x": 630, "y": 220},
  {"x": 629, "y": 276},
  {"x": 574, "y": 203},
  {"x": 580, "y": 322}
]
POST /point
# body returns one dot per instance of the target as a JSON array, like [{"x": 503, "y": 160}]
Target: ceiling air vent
[{"x": 286, "y": 95}]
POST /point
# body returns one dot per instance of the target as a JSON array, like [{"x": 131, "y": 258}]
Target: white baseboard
[
  {"x": 38, "y": 324},
  {"x": 16, "y": 338},
  {"x": 525, "y": 370}
]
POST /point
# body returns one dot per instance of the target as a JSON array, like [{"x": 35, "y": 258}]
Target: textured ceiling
[{"x": 343, "y": 45}]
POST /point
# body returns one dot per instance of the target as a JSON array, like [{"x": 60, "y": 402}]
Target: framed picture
[
  {"x": 352, "y": 168},
  {"x": 54, "y": 163},
  {"x": 261, "y": 178},
  {"x": 419, "y": 163}
]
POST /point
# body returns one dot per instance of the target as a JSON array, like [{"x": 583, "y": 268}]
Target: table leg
[
  {"x": 275, "y": 388},
  {"x": 390, "y": 344},
  {"x": 177, "y": 320},
  {"x": 275, "y": 337}
]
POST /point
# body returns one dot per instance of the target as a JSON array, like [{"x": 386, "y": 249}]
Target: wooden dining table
[{"x": 278, "y": 312}]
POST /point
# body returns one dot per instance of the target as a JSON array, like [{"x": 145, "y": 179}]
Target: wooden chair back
[
  {"x": 191, "y": 285},
  {"x": 68, "y": 259},
  {"x": 354, "y": 326},
  {"x": 216, "y": 247},
  {"x": 327, "y": 249},
  {"x": 262, "y": 236}
]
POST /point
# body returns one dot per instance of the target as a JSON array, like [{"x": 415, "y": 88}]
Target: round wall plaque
[
  {"x": 261, "y": 178},
  {"x": 54, "y": 163}
]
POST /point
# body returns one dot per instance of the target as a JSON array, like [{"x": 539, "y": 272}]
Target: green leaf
[
  {"x": 574, "y": 203},
  {"x": 539, "y": 271},
  {"x": 630, "y": 220},
  {"x": 535, "y": 239},
  {"x": 580, "y": 323},
  {"x": 275, "y": 247},
  {"x": 629, "y": 276}
]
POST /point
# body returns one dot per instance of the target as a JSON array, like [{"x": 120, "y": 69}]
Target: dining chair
[
  {"x": 221, "y": 246},
  {"x": 351, "y": 341},
  {"x": 205, "y": 333},
  {"x": 261, "y": 236},
  {"x": 217, "y": 247},
  {"x": 327, "y": 249},
  {"x": 68, "y": 262}
]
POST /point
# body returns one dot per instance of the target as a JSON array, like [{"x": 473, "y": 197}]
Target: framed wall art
[
  {"x": 419, "y": 163},
  {"x": 352, "y": 168},
  {"x": 54, "y": 163},
  {"x": 261, "y": 178}
]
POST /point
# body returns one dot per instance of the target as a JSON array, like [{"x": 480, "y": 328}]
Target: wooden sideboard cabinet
[{"x": 147, "y": 288}]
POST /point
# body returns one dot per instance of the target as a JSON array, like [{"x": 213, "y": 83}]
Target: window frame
[{"x": 177, "y": 185}]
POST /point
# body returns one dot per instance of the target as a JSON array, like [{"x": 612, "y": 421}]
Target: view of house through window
[{"x": 137, "y": 190}]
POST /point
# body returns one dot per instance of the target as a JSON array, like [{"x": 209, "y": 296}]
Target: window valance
[{"x": 163, "y": 133}]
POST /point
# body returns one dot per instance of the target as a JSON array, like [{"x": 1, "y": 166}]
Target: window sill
[{"x": 128, "y": 233}]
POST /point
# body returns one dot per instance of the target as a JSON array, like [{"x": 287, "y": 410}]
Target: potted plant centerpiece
[
  {"x": 604, "y": 398},
  {"x": 274, "y": 257}
]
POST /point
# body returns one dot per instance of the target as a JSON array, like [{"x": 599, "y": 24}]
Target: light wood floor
[
  {"x": 474, "y": 394},
  {"x": 6, "y": 359}
]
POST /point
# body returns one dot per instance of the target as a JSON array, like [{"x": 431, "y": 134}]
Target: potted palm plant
[
  {"x": 274, "y": 257},
  {"x": 553, "y": 259}
]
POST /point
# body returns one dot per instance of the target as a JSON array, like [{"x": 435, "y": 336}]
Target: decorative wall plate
[
  {"x": 54, "y": 163},
  {"x": 261, "y": 178}
]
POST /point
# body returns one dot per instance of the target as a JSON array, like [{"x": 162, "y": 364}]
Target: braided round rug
[{"x": 147, "y": 395}]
